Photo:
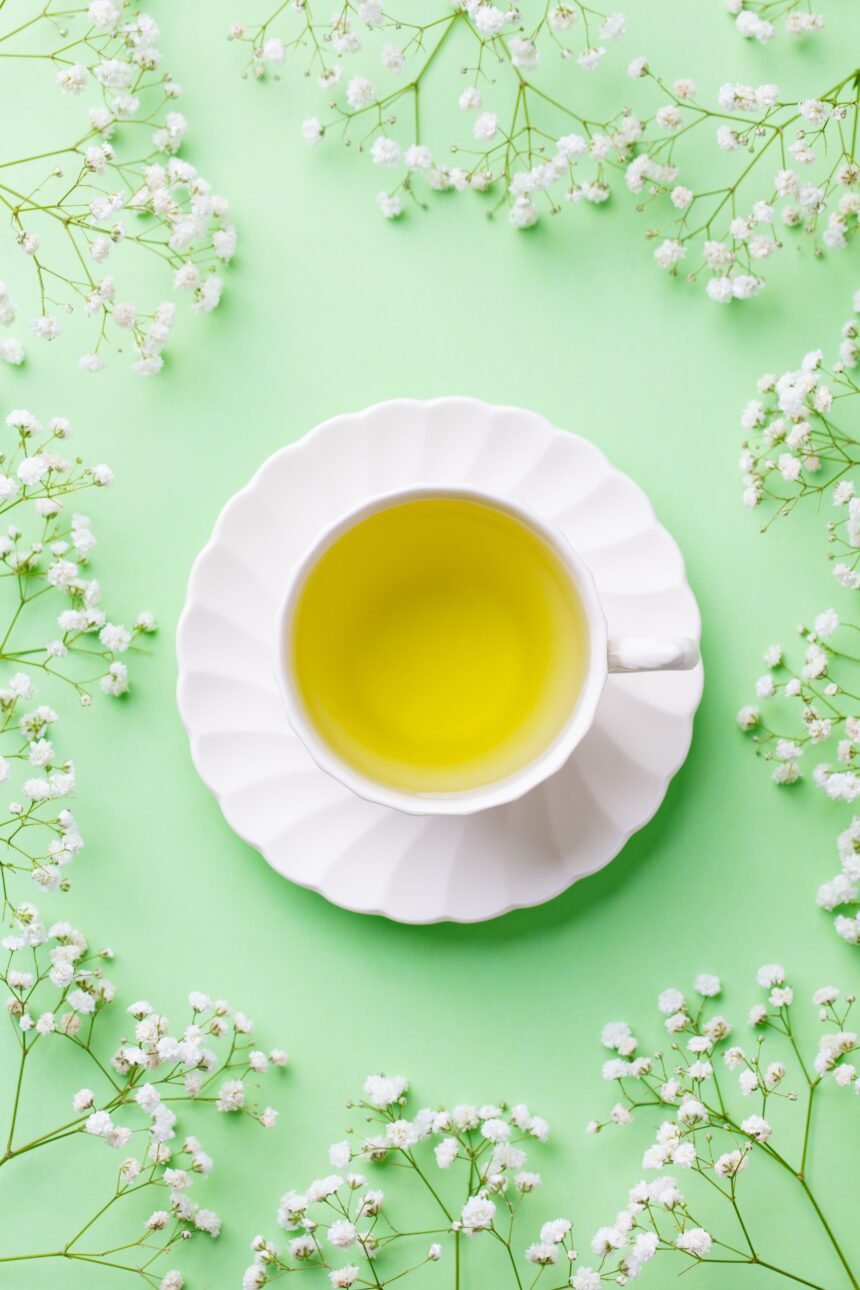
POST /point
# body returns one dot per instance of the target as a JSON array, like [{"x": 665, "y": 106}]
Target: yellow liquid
[{"x": 438, "y": 645}]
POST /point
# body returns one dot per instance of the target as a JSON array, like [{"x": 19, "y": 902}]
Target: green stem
[{"x": 16, "y": 1102}]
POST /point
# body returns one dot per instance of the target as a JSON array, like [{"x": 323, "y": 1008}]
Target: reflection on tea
[{"x": 439, "y": 645}]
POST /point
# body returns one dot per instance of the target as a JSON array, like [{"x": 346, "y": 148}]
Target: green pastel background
[{"x": 329, "y": 308}]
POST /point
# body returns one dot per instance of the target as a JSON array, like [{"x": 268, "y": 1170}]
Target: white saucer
[{"x": 422, "y": 869}]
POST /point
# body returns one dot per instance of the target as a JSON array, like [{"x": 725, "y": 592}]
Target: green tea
[{"x": 439, "y": 645}]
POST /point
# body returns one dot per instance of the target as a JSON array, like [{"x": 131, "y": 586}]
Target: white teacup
[{"x": 604, "y": 656}]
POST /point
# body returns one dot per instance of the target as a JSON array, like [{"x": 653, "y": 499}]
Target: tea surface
[{"x": 438, "y": 645}]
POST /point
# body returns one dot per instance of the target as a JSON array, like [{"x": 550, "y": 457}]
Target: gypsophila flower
[
  {"x": 798, "y": 440},
  {"x": 753, "y": 18},
  {"x": 507, "y": 149},
  {"x": 68, "y": 975},
  {"x": 48, "y": 549},
  {"x": 707, "y": 985},
  {"x": 140, "y": 1070},
  {"x": 842, "y": 892},
  {"x": 493, "y": 32},
  {"x": 112, "y": 181},
  {"x": 710, "y": 1132},
  {"x": 809, "y": 705},
  {"x": 467, "y": 1162}
]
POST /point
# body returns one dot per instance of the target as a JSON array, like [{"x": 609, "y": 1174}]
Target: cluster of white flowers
[
  {"x": 820, "y": 705},
  {"x": 57, "y": 991},
  {"x": 756, "y": 19},
  {"x": 55, "y": 987},
  {"x": 711, "y": 1096},
  {"x": 515, "y": 143},
  {"x": 469, "y": 1161},
  {"x": 803, "y": 441},
  {"x": 734, "y": 228},
  {"x": 44, "y": 556},
  {"x": 842, "y": 892},
  {"x": 117, "y": 183},
  {"x": 530, "y": 148},
  {"x": 810, "y": 703},
  {"x": 521, "y": 35}
]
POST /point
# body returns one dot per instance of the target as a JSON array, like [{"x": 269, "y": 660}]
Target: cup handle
[{"x": 649, "y": 654}]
